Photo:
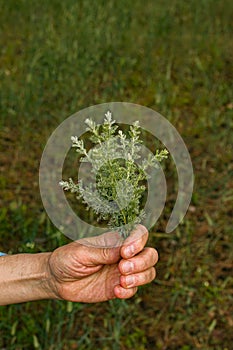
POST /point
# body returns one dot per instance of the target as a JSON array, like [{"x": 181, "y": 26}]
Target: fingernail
[
  {"x": 128, "y": 266},
  {"x": 130, "y": 280},
  {"x": 129, "y": 251}
]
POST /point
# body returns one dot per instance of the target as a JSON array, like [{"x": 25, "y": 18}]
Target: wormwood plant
[{"x": 115, "y": 188}]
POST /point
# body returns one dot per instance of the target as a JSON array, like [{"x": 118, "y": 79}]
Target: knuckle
[
  {"x": 142, "y": 264},
  {"x": 153, "y": 273},
  {"x": 142, "y": 235},
  {"x": 143, "y": 229},
  {"x": 148, "y": 276},
  {"x": 154, "y": 257},
  {"x": 133, "y": 291},
  {"x": 105, "y": 253}
]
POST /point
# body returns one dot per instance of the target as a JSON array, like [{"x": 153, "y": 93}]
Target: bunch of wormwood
[{"x": 118, "y": 172}]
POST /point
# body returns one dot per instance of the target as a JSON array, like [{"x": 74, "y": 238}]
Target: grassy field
[{"x": 173, "y": 56}]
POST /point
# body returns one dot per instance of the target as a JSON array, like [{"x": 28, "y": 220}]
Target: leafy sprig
[{"x": 116, "y": 190}]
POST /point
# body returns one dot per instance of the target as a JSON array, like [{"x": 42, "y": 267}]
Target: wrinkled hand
[{"x": 82, "y": 273}]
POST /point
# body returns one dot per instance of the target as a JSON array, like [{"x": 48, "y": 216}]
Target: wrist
[
  {"x": 47, "y": 283},
  {"x": 50, "y": 281}
]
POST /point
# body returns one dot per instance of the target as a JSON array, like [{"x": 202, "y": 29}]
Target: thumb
[
  {"x": 91, "y": 256},
  {"x": 101, "y": 250}
]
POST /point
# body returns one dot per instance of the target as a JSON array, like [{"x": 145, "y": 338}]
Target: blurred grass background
[{"x": 173, "y": 56}]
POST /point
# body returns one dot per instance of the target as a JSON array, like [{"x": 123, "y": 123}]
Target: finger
[
  {"x": 135, "y": 242},
  {"x": 141, "y": 262},
  {"x": 123, "y": 293},
  {"x": 138, "y": 279}
]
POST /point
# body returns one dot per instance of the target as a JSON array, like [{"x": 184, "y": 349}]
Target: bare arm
[
  {"x": 79, "y": 273},
  {"x": 24, "y": 277}
]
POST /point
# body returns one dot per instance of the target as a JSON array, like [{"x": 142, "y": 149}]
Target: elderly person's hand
[
  {"x": 81, "y": 271},
  {"x": 89, "y": 274}
]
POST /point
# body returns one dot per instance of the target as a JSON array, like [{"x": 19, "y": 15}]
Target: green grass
[{"x": 175, "y": 57}]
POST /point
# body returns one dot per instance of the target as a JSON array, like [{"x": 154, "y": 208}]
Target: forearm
[{"x": 24, "y": 277}]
